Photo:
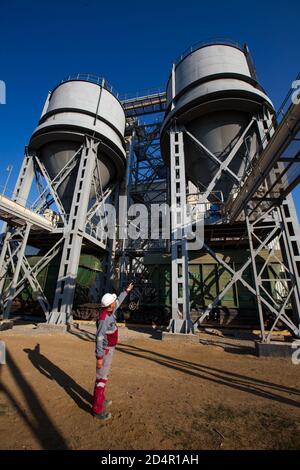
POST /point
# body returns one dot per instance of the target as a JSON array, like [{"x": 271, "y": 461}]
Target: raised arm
[{"x": 123, "y": 296}]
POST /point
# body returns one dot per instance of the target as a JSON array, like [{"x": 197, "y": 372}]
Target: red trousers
[{"x": 99, "y": 397}]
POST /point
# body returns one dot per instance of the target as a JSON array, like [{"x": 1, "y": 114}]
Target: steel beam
[
  {"x": 20, "y": 256},
  {"x": 181, "y": 319},
  {"x": 266, "y": 161},
  {"x": 73, "y": 236}
]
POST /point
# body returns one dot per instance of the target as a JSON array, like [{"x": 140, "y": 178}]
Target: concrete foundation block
[
  {"x": 180, "y": 337},
  {"x": 48, "y": 328},
  {"x": 6, "y": 325},
  {"x": 276, "y": 348}
]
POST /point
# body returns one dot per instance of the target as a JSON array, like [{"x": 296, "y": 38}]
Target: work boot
[
  {"x": 104, "y": 416},
  {"x": 107, "y": 403}
]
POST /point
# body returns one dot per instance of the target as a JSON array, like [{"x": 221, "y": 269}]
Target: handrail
[
  {"x": 88, "y": 77},
  {"x": 101, "y": 81},
  {"x": 208, "y": 42},
  {"x": 148, "y": 92}
]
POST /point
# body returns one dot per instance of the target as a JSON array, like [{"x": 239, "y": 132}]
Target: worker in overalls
[{"x": 106, "y": 341}]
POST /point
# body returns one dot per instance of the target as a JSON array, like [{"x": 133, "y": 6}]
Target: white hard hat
[{"x": 108, "y": 299}]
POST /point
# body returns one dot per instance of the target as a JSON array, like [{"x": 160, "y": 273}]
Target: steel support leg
[
  {"x": 24, "y": 182},
  {"x": 291, "y": 250},
  {"x": 65, "y": 288},
  {"x": 3, "y": 264},
  {"x": 20, "y": 195},
  {"x": 109, "y": 260},
  {"x": 277, "y": 308},
  {"x": 13, "y": 286},
  {"x": 256, "y": 280},
  {"x": 181, "y": 320}
]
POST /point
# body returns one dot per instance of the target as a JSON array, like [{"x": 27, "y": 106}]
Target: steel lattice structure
[
  {"x": 265, "y": 226},
  {"x": 262, "y": 218},
  {"x": 85, "y": 224}
]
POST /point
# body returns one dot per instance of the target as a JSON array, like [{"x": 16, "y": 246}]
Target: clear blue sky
[{"x": 132, "y": 44}]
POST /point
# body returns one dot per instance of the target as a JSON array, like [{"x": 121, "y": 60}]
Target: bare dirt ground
[{"x": 165, "y": 396}]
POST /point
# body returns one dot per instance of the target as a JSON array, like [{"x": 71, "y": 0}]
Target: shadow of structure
[
  {"x": 251, "y": 385},
  {"x": 40, "y": 424},
  {"x": 80, "y": 396},
  {"x": 231, "y": 348},
  {"x": 80, "y": 333},
  {"x": 86, "y": 335},
  {"x": 152, "y": 332}
]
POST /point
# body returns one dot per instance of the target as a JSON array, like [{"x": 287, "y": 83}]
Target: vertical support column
[
  {"x": 24, "y": 182},
  {"x": 265, "y": 126},
  {"x": 290, "y": 243},
  {"x": 287, "y": 216},
  {"x": 21, "y": 191},
  {"x": 65, "y": 288},
  {"x": 255, "y": 277},
  {"x": 20, "y": 195},
  {"x": 291, "y": 249},
  {"x": 123, "y": 209},
  {"x": 181, "y": 320},
  {"x": 20, "y": 256},
  {"x": 3, "y": 263},
  {"x": 109, "y": 260},
  {"x": 173, "y": 86}
]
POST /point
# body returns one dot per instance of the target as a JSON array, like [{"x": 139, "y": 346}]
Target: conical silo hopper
[
  {"x": 213, "y": 92},
  {"x": 74, "y": 109}
]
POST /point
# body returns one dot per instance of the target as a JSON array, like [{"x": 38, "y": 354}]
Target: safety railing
[
  {"x": 208, "y": 42},
  {"x": 101, "y": 81},
  {"x": 88, "y": 77},
  {"x": 148, "y": 92}
]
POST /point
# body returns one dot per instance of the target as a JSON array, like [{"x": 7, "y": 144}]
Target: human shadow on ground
[
  {"x": 50, "y": 370},
  {"x": 40, "y": 424}
]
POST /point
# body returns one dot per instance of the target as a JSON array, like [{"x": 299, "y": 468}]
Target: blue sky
[{"x": 132, "y": 44}]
